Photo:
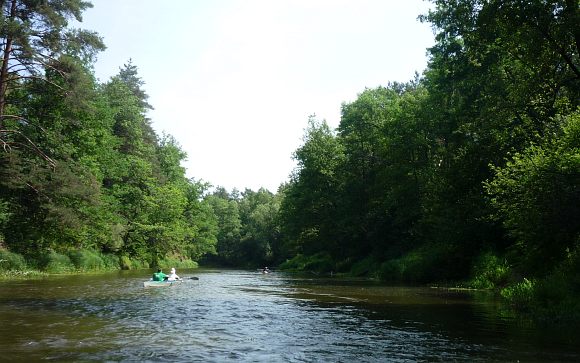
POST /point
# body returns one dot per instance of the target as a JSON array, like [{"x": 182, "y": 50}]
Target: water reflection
[{"x": 246, "y": 316}]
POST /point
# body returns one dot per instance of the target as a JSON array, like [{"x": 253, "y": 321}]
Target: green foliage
[
  {"x": 423, "y": 264},
  {"x": 520, "y": 295},
  {"x": 57, "y": 263},
  {"x": 365, "y": 267},
  {"x": 10, "y": 261},
  {"x": 127, "y": 263},
  {"x": 316, "y": 263},
  {"x": 489, "y": 271},
  {"x": 554, "y": 298},
  {"x": 169, "y": 262},
  {"x": 309, "y": 209},
  {"x": 536, "y": 195},
  {"x": 94, "y": 177},
  {"x": 248, "y": 230},
  {"x": 88, "y": 260},
  {"x": 74, "y": 261}
]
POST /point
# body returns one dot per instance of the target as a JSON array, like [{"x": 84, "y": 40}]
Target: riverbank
[
  {"x": 552, "y": 298},
  {"x": 17, "y": 266}
]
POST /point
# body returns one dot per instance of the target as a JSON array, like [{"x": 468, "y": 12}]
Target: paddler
[
  {"x": 173, "y": 276},
  {"x": 159, "y": 275}
]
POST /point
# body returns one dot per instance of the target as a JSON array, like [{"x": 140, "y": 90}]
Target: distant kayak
[{"x": 151, "y": 283}]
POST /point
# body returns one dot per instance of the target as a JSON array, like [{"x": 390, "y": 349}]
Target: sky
[{"x": 234, "y": 81}]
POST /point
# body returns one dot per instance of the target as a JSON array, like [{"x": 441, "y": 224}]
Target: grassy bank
[{"x": 13, "y": 265}]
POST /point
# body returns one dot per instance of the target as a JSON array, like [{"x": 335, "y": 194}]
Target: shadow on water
[{"x": 247, "y": 316}]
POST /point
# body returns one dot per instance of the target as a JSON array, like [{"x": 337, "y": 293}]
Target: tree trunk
[{"x": 4, "y": 70}]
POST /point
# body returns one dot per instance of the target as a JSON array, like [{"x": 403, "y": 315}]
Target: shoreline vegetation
[
  {"x": 546, "y": 301},
  {"x": 553, "y": 299},
  {"x": 13, "y": 265}
]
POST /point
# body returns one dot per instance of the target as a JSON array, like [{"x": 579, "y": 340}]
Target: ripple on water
[{"x": 244, "y": 316}]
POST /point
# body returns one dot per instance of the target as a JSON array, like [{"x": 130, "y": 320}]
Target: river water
[{"x": 245, "y": 316}]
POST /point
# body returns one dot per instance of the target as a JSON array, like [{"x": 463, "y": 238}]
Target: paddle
[{"x": 188, "y": 278}]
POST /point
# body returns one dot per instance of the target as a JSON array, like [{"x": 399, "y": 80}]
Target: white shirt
[{"x": 173, "y": 277}]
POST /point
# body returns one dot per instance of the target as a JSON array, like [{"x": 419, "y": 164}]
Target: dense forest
[{"x": 469, "y": 172}]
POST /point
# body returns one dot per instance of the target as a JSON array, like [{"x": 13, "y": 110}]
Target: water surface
[{"x": 246, "y": 316}]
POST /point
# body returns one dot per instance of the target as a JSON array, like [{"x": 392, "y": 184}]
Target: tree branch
[
  {"x": 546, "y": 34},
  {"x": 25, "y": 120},
  {"x": 6, "y": 145}
]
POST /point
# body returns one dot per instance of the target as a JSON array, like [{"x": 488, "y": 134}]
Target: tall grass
[
  {"x": 427, "y": 263},
  {"x": 127, "y": 263},
  {"x": 53, "y": 262},
  {"x": 13, "y": 266},
  {"x": 554, "y": 298},
  {"x": 10, "y": 261},
  {"x": 520, "y": 295},
  {"x": 56, "y": 263},
  {"x": 177, "y": 262},
  {"x": 87, "y": 260},
  {"x": 489, "y": 272},
  {"x": 320, "y": 263}
]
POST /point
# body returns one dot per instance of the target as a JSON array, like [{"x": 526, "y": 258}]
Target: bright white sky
[{"x": 234, "y": 81}]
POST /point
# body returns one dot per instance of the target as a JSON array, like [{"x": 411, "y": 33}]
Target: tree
[
  {"x": 386, "y": 147},
  {"x": 537, "y": 197},
  {"x": 498, "y": 75},
  {"x": 36, "y": 41},
  {"x": 204, "y": 223},
  {"x": 260, "y": 231},
  {"x": 309, "y": 210},
  {"x": 227, "y": 213}
]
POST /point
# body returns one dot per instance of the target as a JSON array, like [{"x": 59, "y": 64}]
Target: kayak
[{"x": 151, "y": 283}]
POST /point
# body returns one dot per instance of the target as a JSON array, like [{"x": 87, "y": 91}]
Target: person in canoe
[
  {"x": 173, "y": 276},
  {"x": 266, "y": 270},
  {"x": 159, "y": 276}
]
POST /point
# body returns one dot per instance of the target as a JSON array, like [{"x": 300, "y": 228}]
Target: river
[{"x": 245, "y": 316}]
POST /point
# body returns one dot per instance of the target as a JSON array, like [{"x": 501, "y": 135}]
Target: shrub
[
  {"x": 520, "y": 295},
  {"x": 128, "y": 263},
  {"x": 87, "y": 260},
  {"x": 176, "y": 262},
  {"x": 111, "y": 261},
  {"x": 10, "y": 261},
  {"x": 57, "y": 263},
  {"x": 296, "y": 263},
  {"x": 489, "y": 272},
  {"x": 367, "y": 266},
  {"x": 426, "y": 263},
  {"x": 319, "y": 262},
  {"x": 125, "y": 263},
  {"x": 392, "y": 270}
]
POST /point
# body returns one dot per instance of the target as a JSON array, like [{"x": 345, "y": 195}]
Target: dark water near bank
[{"x": 245, "y": 316}]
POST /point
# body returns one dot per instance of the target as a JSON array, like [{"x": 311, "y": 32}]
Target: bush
[
  {"x": 489, "y": 272},
  {"x": 10, "y": 261},
  {"x": 365, "y": 267},
  {"x": 57, "y": 263},
  {"x": 521, "y": 295},
  {"x": 425, "y": 264},
  {"x": 111, "y": 261},
  {"x": 87, "y": 260},
  {"x": 176, "y": 262},
  {"x": 319, "y": 262},
  {"x": 127, "y": 263}
]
